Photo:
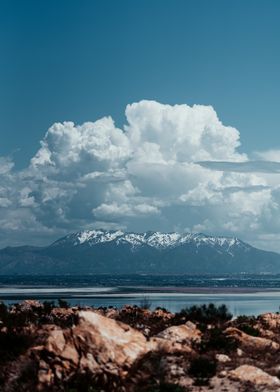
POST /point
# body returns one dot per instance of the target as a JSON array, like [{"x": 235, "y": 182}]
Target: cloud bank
[{"x": 169, "y": 168}]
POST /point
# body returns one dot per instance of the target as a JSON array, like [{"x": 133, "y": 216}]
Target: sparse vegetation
[
  {"x": 249, "y": 330},
  {"x": 201, "y": 369},
  {"x": 145, "y": 303},
  {"x": 63, "y": 304},
  {"x": 215, "y": 339},
  {"x": 48, "y": 306},
  {"x": 247, "y": 324},
  {"x": 206, "y": 314}
]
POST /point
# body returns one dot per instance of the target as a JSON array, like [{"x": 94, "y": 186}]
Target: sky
[{"x": 139, "y": 115}]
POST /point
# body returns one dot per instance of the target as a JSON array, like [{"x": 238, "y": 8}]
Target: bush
[
  {"x": 13, "y": 344},
  {"x": 63, "y": 304},
  {"x": 246, "y": 324},
  {"x": 215, "y": 339},
  {"x": 245, "y": 319},
  {"x": 201, "y": 369},
  {"x": 48, "y": 306},
  {"x": 3, "y": 312},
  {"x": 249, "y": 330},
  {"x": 207, "y": 314},
  {"x": 161, "y": 308}
]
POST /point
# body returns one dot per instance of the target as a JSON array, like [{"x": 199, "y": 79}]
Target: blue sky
[
  {"x": 139, "y": 115},
  {"x": 81, "y": 60}
]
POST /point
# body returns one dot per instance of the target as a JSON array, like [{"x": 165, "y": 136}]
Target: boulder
[
  {"x": 168, "y": 346},
  {"x": 254, "y": 375},
  {"x": 186, "y": 333},
  {"x": 270, "y": 320},
  {"x": 222, "y": 358},
  {"x": 101, "y": 346},
  {"x": 110, "y": 339},
  {"x": 97, "y": 345},
  {"x": 239, "y": 352},
  {"x": 251, "y": 342}
]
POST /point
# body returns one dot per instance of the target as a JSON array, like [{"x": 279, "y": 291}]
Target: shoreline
[
  {"x": 201, "y": 290},
  {"x": 19, "y": 294}
]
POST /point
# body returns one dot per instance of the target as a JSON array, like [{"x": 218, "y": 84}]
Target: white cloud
[
  {"x": 116, "y": 211},
  {"x": 269, "y": 155},
  {"x": 182, "y": 133},
  {"x": 170, "y": 168},
  {"x": 6, "y": 165}
]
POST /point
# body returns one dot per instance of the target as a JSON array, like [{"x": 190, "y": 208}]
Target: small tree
[
  {"x": 63, "y": 304},
  {"x": 145, "y": 303}
]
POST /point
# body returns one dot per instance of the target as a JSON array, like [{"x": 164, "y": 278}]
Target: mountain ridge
[
  {"x": 119, "y": 252},
  {"x": 155, "y": 239}
]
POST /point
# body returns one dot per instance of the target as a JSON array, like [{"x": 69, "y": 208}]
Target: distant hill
[{"x": 99, "y": 251}]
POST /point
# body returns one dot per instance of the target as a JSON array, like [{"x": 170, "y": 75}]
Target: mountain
[{"x": 116, "y": 252}]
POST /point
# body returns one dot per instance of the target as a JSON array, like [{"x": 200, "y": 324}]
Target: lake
[{"x": 249, "y": 295}]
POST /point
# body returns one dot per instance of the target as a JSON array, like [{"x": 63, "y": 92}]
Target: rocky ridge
[{"x": 156, "y": 239}]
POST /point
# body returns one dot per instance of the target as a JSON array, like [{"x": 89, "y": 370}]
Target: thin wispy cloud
[{"x": 243, "y": 167}]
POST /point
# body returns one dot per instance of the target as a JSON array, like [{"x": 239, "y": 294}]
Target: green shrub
[
  {"x": 247, "y": 324},
  {"x": 245, "y": 319},
  {"x": 249, "y": 330},
  {"x": 207, "y": 314},
  {"x": 48, "y": 306},
  {"x": 215, "y": 339},
  {"x": 63, "y": 304},
  {"x": 201, "y": 369}
]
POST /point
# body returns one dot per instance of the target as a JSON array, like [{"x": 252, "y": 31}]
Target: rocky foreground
[{"x": 48, "y": 348}]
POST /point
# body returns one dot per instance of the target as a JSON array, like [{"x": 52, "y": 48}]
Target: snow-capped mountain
[
  {"x": 156, "y": 239},
  {"x": 117, "y": 252}
]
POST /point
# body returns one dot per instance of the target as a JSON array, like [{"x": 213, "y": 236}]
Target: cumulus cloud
[
  {"x": 169, "y": 168},
  {"x": 181, "y": 133}
]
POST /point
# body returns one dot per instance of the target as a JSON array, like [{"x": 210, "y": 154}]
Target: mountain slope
[{"x": 99, "y": 251}]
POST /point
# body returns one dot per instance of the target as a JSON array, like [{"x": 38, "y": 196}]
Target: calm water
[
  {"x": 118, "y": 291},
  {"x": 249, "y": 304}
]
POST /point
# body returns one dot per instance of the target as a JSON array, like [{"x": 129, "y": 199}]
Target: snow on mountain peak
[
  {"x": 97, "y": 236},
  {"x": 154, "y": 239}
]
